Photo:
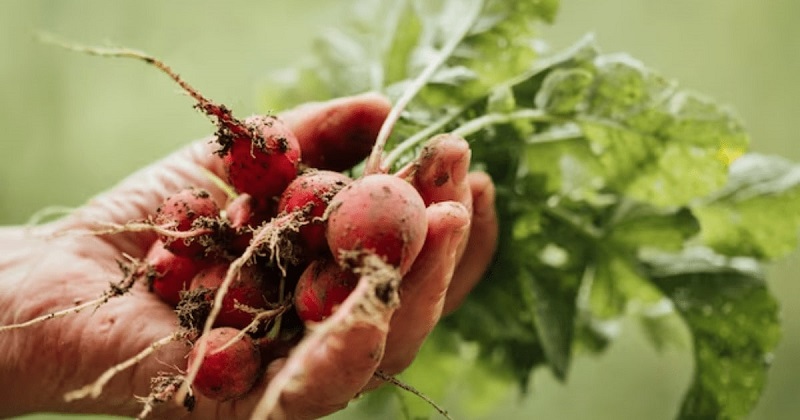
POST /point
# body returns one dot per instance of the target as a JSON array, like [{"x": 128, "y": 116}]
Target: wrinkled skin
[{"x": 40, "y": 273}]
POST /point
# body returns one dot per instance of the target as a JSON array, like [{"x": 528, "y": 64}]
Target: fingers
[
  {"x": 333, "y": 134},
  {"x": 440, "y": 172},
  {"x": 422, "y": 292},
  {"x": 338, "y": 356},
  {"x": 482, "y": 241},
  {"x": 338, "y": 134}
]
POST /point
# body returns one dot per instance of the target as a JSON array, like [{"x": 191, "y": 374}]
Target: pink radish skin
[
  {"x": 181, "y": 211},
  {"x": 263, "y": 171},
  {"x": 246, "y": 289},
  {"x": 379, "y": 214},
  {"x": 228, "y": 373},
  {"x": 322, "y": 287},
  {"x": 169, "y": 274},
  {"x": 308, "y": 196}
]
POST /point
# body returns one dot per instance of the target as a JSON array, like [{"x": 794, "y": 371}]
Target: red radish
[
  {"x": 308, "y": 196},
  {"x": 381, "y": 214},
  {"x": 247, "y": 289},
  {"x": 322, "y": 287},
  {"x": 168, "y": 274},
  {"x": 226, "y": 373},
  {"x": 262, "y": 166},
  {"x": 190, "y": 209}
]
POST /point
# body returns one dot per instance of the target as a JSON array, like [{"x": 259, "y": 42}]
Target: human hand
[{"x": 40, "y": 273}]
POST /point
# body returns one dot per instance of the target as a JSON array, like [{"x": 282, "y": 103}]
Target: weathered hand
[{"x": 40, "y": 273}]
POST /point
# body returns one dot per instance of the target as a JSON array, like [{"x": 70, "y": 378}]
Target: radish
[
  {"x": 322, "y": 287},
  {"x": 247, "y": 289},
  {"x": 168, "y": 274},
  {"x": 188, "y": 210},
  {"x": 264, "y": 164},
  {"x": 229, "y": 368},
  {"x": 374, "y": 226},
  {"x": 308, "y": 196},
  {"x": 380, "y": 214}
]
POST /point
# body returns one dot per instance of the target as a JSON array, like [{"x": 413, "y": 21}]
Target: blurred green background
[{"x": 73, "y": 125}]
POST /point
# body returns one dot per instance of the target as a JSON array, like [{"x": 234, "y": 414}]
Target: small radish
[
  {"x": 380, "y": 214},
  {"x": 322, "y": 287},
  {"x": 168, "y": 274},
  {"x": 261, "y": 165},
  {"x": 308, "y": 197},
  {"x": 248, "y": 289},
  {"x": 188, "y": 210},
  {"x": 226, "y": 372}
]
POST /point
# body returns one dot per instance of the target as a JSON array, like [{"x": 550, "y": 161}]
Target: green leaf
[
  {"x": 734, "y": 323},
  {"x": 601, "y": 165},
  {"x": 618, "y": 286},
  {"x": 553, "y": 299},
  {"x": 636, "y": 225},
  {"x": 504, "y": 31},
  {"x": 403, "y": 33},
  {"x": 562, "y": 156},
  {"x": 758, "y": 212},
  {"x": 651, "y": 140},
  {"x": 663, "y": 327},
  {"x": 564, "y": 91},
  {"x": 386, "y": 44},
  {"x": 372, "y": 50},
  {"x": 508, "y": 341}
]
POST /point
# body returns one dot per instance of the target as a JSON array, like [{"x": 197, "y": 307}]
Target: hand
[{"x": 40, "y": 273}]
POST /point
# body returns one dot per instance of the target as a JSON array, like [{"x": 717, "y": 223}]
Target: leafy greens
[{"x": 618, "y": 192}]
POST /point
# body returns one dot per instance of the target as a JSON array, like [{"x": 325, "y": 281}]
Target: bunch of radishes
[
  {"x": 248, "y": 277},
  {"x": 291, "y": 230}
]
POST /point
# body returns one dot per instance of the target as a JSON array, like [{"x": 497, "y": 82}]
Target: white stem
[
  {"x": 373, "y": 164},
  {"x": 417, "y": 138},
  {"x": 477, "y": 124}
]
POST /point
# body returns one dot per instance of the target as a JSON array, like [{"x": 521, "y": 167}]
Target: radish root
[
  {"x": 404, "y": 386},
  {"x": 94, "y": 389},
  {"x": 162, "y": 389},
  {"x": 132, "y": 270}
]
